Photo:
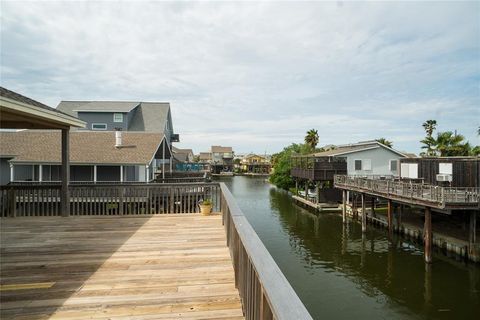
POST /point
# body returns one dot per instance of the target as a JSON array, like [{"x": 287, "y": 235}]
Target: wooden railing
[
  {"x": 264, "y": 290},
  {"x": 420, "y": 192},
  {"x": 107, "y": 199}
]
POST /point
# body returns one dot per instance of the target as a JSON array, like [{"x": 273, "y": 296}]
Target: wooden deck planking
[{"x": 142, "y": 267}]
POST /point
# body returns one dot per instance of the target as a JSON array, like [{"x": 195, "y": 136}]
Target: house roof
[
  {"x": 221, "y": 149},
  {"x": 147, "y": 116},
  {"x": 17, "y": 109},
  {"x": 355, "y": 147},
  {"x": 205, "y": 156},
  {"x": 86, "y": 147},
  {"x": 73, "y": 107},
  {"x": 181, "y": 154},
  {"x": 150, "y": 116}
]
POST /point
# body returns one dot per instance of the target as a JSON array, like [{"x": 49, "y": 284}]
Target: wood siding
[{"x": 465, "y": 171}]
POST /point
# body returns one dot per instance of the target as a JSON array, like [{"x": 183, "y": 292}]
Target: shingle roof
[
  {"x": 86, "y": 147},
  {"x": 150, "y": 116},
  {"x": 4, "y": 92},
  {"x": 354, "y": 147},
  {"x": 221, "y": 149},
  {"x": 73, "y": 107},
  {"x": 147, "y": 116}
]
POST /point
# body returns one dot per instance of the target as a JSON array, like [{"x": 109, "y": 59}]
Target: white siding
[{"x": 374, "y": 162}]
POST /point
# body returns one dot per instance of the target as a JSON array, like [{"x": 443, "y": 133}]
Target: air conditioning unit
[{"x": 444, "y": 177}]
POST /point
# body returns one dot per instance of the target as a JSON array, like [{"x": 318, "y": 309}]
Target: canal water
[{"x": 339, "y": 273}]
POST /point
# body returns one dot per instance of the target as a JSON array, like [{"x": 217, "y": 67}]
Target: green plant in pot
[{"x": 206, "y": 207}]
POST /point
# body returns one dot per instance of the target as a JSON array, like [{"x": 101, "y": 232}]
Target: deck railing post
[
  {"x": 120, "y": 201},
  {"x": 13, "y": 202}
]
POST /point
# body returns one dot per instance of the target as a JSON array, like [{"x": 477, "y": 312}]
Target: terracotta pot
[{"x": 205, "y": 209}]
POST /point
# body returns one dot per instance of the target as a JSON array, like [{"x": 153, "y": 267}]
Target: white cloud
[{"x": 256, "y": 75}]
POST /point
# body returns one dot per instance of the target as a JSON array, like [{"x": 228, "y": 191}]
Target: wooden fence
[
  {"x": 107, "y": 199},
  {"x": 419, "y": 193}
]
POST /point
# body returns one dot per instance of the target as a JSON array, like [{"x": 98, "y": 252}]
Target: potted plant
[{"x": 206, "y": 207}]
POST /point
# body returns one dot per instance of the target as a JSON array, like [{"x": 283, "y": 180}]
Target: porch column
[
  {"x": 121, "y": 173},
  {"x": 427, "y": 235},
  {"x": 344, "y": 206},
  {"x": 163, "y": 158},
  {"x": 12, "y": 172},
  {"x": 40, "y": 172},
  {"x": 364, "y": 214},
  {"x": 65, "y": 195},
  {"x": 147, "y": 175},
  {"x": 95, "y": 173}
]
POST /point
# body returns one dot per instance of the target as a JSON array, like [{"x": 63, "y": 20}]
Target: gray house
[
  {"x": 153, "y": 117},
  {"x": 367, "y": 158}
]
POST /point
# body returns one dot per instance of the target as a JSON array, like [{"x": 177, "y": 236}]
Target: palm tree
[
  {"x": 430, "y": 126},
  {"x": 429, "y": 141},
  {"x": 311, "y": 139},
  {"x": 451, "y": 144},
  {"x": 385, "y": 142}
]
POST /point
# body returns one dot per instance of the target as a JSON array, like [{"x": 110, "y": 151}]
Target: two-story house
[
  {"x": 255, "y": 164},
  {"x": 153, "y": 117},
  {"x": 222, "y": 160}
]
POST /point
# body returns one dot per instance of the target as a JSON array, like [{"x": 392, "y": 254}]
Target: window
[
  {"x": 409, "y": 170},
  {"x": 118, "y": 117},
  {"x": 358, "y": 165},
  {"x": 445, "y": 168},
  {"x": 99, "y": 126},
  {"x": 393, "y": 165}
]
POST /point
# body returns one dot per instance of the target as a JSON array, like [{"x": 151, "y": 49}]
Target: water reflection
[{"x": 340, "y": 272}]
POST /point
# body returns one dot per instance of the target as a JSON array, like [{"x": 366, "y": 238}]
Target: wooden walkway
[{"x": 143, "y": 267}]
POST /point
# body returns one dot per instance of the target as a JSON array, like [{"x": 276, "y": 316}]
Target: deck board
[{"x": 129, "y": 267}]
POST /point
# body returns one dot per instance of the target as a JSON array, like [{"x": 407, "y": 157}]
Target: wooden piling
[
  {"x": 427, "y": 235},
  {"x": 364, "y": 214},
  {"x": 389, "y": 216},
  {"x": 472, "y": 239},
  {"x": 344, "y": 206}
]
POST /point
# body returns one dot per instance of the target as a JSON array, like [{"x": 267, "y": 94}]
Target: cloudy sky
[{"x": 257, "y": 75}]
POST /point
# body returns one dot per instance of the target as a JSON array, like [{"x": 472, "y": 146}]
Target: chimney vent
[{"x": 118, "y": 139}]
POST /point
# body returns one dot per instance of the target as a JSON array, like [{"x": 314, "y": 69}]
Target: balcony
[
  {"x": 136, "y": 250},
  {"x": 175, "y": 137},
  {"x": 317, "y": 168}
]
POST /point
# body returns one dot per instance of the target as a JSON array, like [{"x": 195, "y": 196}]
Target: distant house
[
  {"x": 153, "y": 117},
  {"x": 367, "y": 158},
  {"x": 255, "y": 164},
  {"x": 183, "y": 155},
  {"x": 222, "y": 159},
  {"x": 94, "y": 156}
]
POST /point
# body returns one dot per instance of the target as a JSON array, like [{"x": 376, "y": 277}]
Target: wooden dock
[{"x": 174, "y": 266}]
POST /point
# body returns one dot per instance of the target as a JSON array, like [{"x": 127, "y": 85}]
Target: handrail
[
  {"x": 265, "y": 292},
  {"x": 419, "y": 191}
]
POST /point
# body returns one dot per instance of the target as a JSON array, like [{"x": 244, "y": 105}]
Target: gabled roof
[
  {"x": 146, "y": 116},
  {"x": 150, "y": 117},
  {"x": 86, "y": 147},
  {"x": 73, "y": 107},
  {"x": 221, "y": 149},
  {"x": 181, "y": 154},
  {"x": 356, "y": 147},
  {"x": 17, "y": 109}
]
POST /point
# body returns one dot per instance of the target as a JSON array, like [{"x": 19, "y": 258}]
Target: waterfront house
[
  {"x": 222, "y": 160},
  {"x": 255, "y": 164},
  {"x": 108, "y": 156},
  {"x": 367, "y": 158},
  {"x": 183, "y": 155}
]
